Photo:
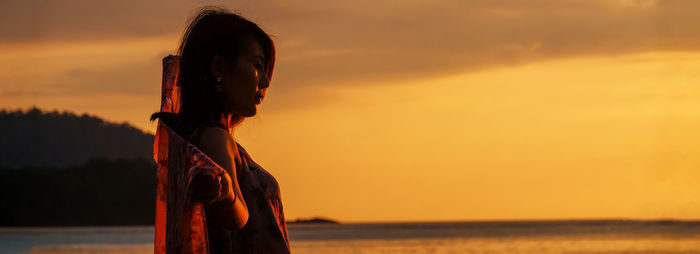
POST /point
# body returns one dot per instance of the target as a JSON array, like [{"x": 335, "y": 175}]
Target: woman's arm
[{"x": 228, "y": 208}]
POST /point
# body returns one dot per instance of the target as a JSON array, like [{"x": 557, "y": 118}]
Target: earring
[{"x": 218, "y": 87}]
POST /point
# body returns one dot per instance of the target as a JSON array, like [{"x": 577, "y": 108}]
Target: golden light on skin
[{"x": 594, "y": 137}]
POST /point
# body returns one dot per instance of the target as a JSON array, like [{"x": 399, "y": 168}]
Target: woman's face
[{"x": 244, "y": 81}]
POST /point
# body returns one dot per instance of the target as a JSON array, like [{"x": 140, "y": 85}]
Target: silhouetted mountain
[
  {"x": 317, "y": 220},
  {"x": 61, "y": 169},
  {"x": 53, "y": 139}
]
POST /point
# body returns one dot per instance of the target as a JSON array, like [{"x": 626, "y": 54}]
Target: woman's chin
[
  {"x": 246, "y": 111},
  {"x": 251, "y": 112}
]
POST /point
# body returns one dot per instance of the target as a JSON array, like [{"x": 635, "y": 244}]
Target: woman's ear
[{"x": 218, "y": 64}]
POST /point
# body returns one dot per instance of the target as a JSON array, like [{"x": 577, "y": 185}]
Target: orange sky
[{"x": 424, "y": 111}]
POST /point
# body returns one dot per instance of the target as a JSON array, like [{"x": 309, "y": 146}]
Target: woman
[{"x": 212, "y": 197}]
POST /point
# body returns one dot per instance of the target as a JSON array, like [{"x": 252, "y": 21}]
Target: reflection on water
[
  {"x": 601, "y": 237},
  {"x": 22, "y": 240},
  {"x": 503, "y": 246},
  {"x": 420, "y": 246},
  {"x": 92, "y": 248}
]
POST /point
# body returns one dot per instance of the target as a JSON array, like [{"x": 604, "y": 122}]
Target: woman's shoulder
[
  {"x": 209, "y": 135},
  {"x": 216, "y": 143}
]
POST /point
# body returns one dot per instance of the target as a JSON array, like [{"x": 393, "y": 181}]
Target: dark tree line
[
  {"x": 99, "y": 192},
  {"x": 60, "y": 139},
  {"x": 62, "y": 169}
]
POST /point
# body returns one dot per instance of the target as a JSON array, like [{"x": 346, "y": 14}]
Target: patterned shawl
[{"x": 180, "y": 223}]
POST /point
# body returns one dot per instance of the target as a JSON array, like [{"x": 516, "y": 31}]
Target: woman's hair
[{"x": 213, "y": 31}]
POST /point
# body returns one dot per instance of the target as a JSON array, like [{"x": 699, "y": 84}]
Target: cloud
[
  {"x": 27, "y": 21},
  {"x": 139, "y": 78},
  {"x": 420, "y": 39},
  {"x": 129, "y": 79},
  {"x": 362, "y": 42}
]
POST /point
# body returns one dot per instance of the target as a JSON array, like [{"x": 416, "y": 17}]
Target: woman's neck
[{"x": 224, "y": 122}]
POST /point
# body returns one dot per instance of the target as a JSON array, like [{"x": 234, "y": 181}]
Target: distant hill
[
  {"x": 59, "y": 139},
  {"x": 63, "y": 169},
  {"x": 316, "y": 220}
]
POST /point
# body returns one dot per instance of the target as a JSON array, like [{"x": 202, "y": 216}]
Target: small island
[{"x": 314, "y": 220}]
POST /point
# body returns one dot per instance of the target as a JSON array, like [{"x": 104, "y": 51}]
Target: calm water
[{"x": 599, "y": 237}]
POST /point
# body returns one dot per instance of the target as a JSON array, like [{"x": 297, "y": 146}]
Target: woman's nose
[{"x": 264, "y": 81}]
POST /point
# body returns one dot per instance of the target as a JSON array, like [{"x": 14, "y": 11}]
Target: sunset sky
[{"x": 414, "y": 110}]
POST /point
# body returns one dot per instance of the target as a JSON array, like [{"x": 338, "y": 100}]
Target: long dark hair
[{"x": 213, "y": 31}]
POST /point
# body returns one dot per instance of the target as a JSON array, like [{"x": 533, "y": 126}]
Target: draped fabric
[
  {"x": 181, "y": 225},
  {"x": 180, "y": 222}
]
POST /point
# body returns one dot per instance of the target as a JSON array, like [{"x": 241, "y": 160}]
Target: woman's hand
[{"x": 207, "y": 187}]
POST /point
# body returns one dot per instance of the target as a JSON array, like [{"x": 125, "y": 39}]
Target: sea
[{"x": 492, "y": 237}]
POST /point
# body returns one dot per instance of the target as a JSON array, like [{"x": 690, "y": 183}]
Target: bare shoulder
[{"x": 216, "y": 143}]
